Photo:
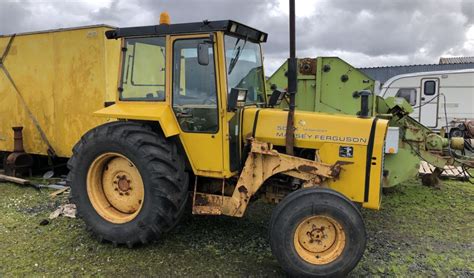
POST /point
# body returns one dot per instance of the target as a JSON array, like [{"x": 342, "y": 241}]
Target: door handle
[{"x": 422, "y": 98}]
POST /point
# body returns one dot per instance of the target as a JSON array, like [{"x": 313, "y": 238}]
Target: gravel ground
[{"x": 419, "y": 232}]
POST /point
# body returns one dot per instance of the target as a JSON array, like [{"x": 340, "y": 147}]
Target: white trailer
[{"x": 427, "y": 92}]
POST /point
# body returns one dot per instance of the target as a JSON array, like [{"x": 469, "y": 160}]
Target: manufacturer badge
[{"x": 346, "y": 151}]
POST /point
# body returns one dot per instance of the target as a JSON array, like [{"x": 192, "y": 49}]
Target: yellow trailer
[{"x": 51, "y": 82}]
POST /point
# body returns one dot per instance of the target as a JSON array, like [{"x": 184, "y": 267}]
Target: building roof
[
  {"x": 456, "y": 60},
  {"x": 382, "y": 74}
]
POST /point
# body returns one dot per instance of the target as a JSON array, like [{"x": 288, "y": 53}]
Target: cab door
[
  {"x": 195, "y": 103},
  {"x": 429, "y": 99}
]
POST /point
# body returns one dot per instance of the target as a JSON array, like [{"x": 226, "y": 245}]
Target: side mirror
[
  {"x": 276, "y": 98},
  {"x": 237, "y": 98},
  {"x": 203, "y": 54}
]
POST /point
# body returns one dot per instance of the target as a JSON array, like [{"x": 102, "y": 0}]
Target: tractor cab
[{"x": 187, "y": 72}]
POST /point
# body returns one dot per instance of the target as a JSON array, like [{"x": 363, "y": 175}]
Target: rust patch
[
  {"x": 201, "y": 200},
  {"x": 243, "y": 189},
  {"x": 307, "y": 66},
  {"x": 307, "y": 168},
  {"x": 337, "y": 168},
  {"x": 124, "y": 184}
]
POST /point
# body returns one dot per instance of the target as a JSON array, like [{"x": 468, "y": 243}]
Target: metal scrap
[{"x": 67, "y": 210}]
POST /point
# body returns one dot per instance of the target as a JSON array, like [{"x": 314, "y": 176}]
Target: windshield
[{"x": 244, "y": 68}]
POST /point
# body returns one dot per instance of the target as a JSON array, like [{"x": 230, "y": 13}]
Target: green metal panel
[
  {"x": 327, "y": 84},
  {"x": 401, "y": 166},
  {"x": 338, "y": 81}
]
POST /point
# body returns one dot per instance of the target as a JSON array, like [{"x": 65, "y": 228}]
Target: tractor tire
[
  {"x": 317, "y": 232},
  {"x": 128, "y": 183}
]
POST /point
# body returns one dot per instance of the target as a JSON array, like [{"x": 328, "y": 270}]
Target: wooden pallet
[{"x": 448, "y": 172}]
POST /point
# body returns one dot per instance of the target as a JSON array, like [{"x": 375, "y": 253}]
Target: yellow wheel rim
[
  {"x": 115, "y": 188},
  {"x": 319, "y": 239}
]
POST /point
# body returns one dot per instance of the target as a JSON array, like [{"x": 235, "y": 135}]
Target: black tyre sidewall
[{"x": 317, "y": 202}]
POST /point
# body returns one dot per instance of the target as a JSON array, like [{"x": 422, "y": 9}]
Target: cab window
[
  {"x": 143, "y": 70},
  {"x": 194, "y": 88}
]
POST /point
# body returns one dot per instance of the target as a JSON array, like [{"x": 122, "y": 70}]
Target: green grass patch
[{"x": 420, "y": 231}]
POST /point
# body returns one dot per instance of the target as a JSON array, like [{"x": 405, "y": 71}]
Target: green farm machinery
[{"x": 330, "y": 85}]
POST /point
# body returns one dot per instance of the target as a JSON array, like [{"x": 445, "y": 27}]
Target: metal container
[{"x": 51, "y": 82}]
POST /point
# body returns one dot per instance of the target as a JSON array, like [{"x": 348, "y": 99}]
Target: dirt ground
[{"x": 419, "y": 232}]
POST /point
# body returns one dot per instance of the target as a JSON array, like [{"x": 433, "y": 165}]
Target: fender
[{"x": 145, "y": 111}]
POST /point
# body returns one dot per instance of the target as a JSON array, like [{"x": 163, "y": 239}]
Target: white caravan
[{"x": 426, "y": 92}]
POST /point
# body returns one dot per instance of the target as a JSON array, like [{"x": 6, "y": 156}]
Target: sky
[{"x": 365, "y": 33}]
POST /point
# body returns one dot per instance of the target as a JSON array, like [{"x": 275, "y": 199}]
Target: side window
[
  {"x": 429, "y": 88},
  {"x": 143, "y": 70},
  {"x": 194, "y": 88},
  {"x": 409, "y": 94}
]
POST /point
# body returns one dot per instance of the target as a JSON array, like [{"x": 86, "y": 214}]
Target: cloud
[
  {"x": 12, "y": 15},
  {"x": 467, "y": 9},
  {"x": 365, "y": 33}
]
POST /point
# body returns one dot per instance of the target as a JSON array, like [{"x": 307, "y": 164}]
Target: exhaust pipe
[
  {"x": 292, "y": 85},
  {"x": 18, "y": 139}
]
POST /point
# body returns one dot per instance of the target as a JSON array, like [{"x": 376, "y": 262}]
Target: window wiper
[{"x": 236, "y": 55}]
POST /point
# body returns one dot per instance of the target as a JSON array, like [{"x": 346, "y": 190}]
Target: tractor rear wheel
[
  {"x": 128, "y": 183},
  {"x": 317, "y": 232}
]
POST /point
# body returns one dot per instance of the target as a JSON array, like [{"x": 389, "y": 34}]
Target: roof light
[
  {"x": 165, "y": 18},
  {"x": 262, "y": 37}
]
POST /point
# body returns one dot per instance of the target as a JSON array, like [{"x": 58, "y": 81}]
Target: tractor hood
[{"x": 312, "y": 130}]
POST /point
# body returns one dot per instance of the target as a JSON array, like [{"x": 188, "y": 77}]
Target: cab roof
[{"x": 228, "y": 26}]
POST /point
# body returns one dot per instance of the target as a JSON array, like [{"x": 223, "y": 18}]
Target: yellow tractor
[{"x": 193, "y": 121}]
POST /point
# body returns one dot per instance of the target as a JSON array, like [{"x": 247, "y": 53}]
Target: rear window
[{"x": 143, "y": 71}]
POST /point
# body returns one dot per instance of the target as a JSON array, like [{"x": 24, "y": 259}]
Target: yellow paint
[
  {"x": 146, "y": 111},
  {"x": 115, "y": 188},
  {"x": 375, "y": 190},
  {"x": 204, "y": 150},
  {"x": 225, "y": 116},
  {"x": 63, "y": 76},
  {"x": 319, "y": 239},
  {"x": 327, "y": 133},
  {"x": 313, "y": 130}
]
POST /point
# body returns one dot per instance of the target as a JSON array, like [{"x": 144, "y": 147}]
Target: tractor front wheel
[{"x": 317, "y": 232}]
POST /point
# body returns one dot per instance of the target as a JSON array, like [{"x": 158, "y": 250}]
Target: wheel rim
[
  {"x": 115, "y": 188},
  {"x": 319, "y": 239}
]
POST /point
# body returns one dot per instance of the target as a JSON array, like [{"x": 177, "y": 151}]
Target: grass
[{"x": 419, "y": 232}]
